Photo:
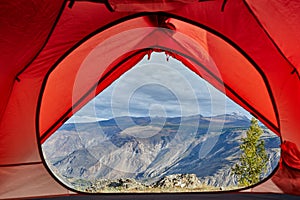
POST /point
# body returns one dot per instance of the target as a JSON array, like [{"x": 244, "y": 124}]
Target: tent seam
[{"x": 21, "y": 164}]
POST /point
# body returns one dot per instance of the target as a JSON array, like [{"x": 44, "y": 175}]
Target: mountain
[{"x": 149, "y": 149}]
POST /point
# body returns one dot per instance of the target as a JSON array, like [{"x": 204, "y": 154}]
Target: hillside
[{"x": 147, "y": 151}]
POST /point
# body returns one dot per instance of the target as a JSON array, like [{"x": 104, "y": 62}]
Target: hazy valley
[{"x": 147, "y": 150}]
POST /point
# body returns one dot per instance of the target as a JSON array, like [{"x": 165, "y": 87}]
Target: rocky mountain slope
[{"x": 148, "y": 150}]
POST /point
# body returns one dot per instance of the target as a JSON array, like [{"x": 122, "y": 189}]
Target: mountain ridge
[{"x": 148, "y": 150}]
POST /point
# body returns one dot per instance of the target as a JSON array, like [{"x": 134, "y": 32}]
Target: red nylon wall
[
  {"x": 25, "y": 26},
  {"x": 65, "y": 35}
]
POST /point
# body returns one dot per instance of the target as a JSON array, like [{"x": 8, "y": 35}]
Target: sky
[{"x": 160, "y": 86}]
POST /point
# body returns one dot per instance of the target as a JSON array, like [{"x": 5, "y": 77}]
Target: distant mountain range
[{"x": 149, "y": 149}]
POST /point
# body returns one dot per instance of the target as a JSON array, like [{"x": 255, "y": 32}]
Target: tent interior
[{"x": 58, "y": 55}]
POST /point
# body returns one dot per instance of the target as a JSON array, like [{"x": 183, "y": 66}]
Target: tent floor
[{"x": 214, "y": 196}]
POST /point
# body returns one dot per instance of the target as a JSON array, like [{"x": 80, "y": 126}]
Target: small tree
[{"x": 253, "y": 161}]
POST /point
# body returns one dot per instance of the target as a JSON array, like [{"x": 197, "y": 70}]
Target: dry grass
[{"x": 161, "y": 190}]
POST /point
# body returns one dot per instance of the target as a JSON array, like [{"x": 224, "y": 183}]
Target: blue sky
[{"x": 158, "y": 87}]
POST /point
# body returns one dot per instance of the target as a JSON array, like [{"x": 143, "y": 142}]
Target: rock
[
  {"x": 122, "y": 184},
  {"x": 128, "y": 183},
  {"x": 189, "y": 181},
  {"x": 171, "y": 182}
]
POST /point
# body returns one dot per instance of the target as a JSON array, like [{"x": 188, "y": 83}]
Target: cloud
[{"x": 84, "y": 118}]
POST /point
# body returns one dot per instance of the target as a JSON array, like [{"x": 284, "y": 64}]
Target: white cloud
[{"x": 82, "y": 119}]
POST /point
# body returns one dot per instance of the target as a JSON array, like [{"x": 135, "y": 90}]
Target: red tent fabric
[{"x": 56, "y": 55}]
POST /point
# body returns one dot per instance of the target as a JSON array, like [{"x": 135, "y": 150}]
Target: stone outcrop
[
  {"x": 122, "y": 184},
  {"x": 174, "y": 182},
  {"x": 189, "y": 181}
]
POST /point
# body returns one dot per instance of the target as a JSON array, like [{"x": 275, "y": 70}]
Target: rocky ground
[{"x": 170, "y": 183}]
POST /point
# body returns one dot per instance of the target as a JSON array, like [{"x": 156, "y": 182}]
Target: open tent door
[{"x": 158, "y": 128}]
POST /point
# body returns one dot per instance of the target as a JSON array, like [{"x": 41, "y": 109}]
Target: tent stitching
[{"x": 21, "y": 164}]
